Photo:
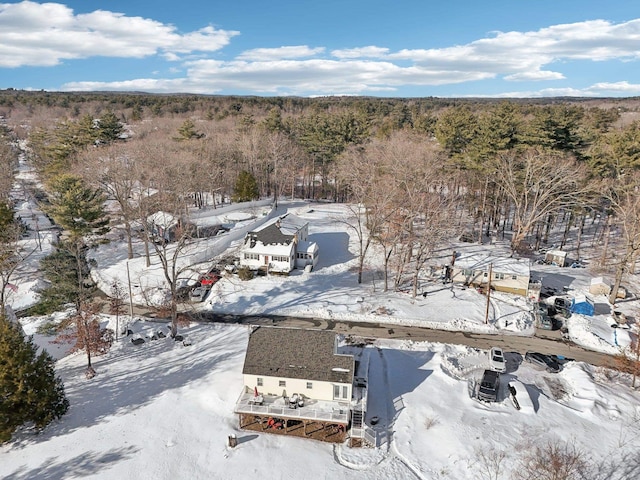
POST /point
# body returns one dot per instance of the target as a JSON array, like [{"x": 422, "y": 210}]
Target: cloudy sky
[{"x": 398, "y": 48}]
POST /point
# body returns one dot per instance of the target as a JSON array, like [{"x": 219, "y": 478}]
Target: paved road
[{"x": 544, "y": 341}]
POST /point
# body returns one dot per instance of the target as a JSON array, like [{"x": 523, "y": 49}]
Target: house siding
[{"x": 320, "y": 391}]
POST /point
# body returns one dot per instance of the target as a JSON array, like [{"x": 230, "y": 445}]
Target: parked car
[
  {"x": 198, "y": 294},
  {"x": 496, "y": 360},
  {"x": 489, "y": 385},
  {"x": 548, "y": 362},
  {"x": 209, "y": 279}
]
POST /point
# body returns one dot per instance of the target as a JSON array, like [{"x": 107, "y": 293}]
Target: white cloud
[
  {"x": 617, "y": 87},
  {"x": 36, "y": 34},
  {"x": 535, "y": 75},
  {"x": 363, "y": 52},
  {"x": 279, "y": 53},
  {"x": 46, "y": 34},
  {"x": 596, "y": 90}
]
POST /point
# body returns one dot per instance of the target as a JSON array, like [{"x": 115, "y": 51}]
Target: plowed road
[{"x": 544, "y": 341}]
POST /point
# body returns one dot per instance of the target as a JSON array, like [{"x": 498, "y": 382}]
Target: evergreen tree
[
  {"x": 246, "y": 188},
  {"x": 60, "y": 268},
  {"x": 109, "y": 128},
  {"x": 187, "y": 131},
  {"x": 29, "y": 389},
  {"x": 79, "y": 209},
  {"x": 76, "y": 207}
]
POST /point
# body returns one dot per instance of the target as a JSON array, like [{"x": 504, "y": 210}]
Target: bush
[
  {"x": 554, "y": 460},
  {"x": 244, "y": 273}
]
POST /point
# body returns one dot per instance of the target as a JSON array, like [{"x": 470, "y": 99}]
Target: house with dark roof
[
  {"x": 279, "y": 246},
  {"x": 297, "y": 375},
  {"x": 283, "y": 361}
]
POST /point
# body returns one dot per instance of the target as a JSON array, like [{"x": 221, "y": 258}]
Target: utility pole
[
  {"x": 130, "y": 295},
  {"x": 486, "y": 314}
]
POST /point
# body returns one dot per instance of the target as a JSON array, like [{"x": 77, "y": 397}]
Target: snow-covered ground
[
  {"x": 162, "y": 410},
  {"x": 331, "y": 291}
]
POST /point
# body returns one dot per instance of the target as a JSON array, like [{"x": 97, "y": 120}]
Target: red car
[{"x": 209, "y": 279}]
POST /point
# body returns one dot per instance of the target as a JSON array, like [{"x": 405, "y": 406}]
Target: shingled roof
[
  {"x": 296, "y": 353},
  {"x": 280, "y": 230}
]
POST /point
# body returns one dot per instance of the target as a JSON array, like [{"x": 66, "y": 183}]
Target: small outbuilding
[
  {"x": 558, "y": 257},
  {"x": 599, "y": 287},
  {"x": 582, "y": 305}
]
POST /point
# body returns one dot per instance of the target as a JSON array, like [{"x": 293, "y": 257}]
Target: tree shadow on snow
[
  {"x": 114, "y": 392},
  {"x": 88, "y": 464}
]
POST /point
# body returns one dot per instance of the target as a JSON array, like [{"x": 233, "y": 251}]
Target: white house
[
  {"x": 508, "y": 274},
  {"x": 279, "y": 246},
  {"x": 284, "y": 361},
  {"x": 296, "y": 375}
]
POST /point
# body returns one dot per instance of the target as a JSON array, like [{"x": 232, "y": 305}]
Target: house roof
[
  {"x": 278, "y": 230},
  {"x": 296, "y": 353},
  {"x": 270, "y": 235},
  {"x": 508, "y": 265},
  {"x": 162, "y": 219},
  {"x": 308, "y": 247}
]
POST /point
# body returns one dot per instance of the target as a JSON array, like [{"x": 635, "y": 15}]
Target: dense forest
[{"x": 413, "y": 168}]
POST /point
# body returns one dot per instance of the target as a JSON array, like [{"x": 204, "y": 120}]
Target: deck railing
[{"x": 337, "y": 414}]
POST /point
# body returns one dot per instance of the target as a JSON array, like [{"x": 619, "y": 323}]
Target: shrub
[{"x": 245, "y": 273}]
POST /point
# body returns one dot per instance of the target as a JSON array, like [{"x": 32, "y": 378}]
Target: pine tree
[
  {"x": 31, "y": 393},
  {"x": 188, "y": 131},
  {"x": 109, "y": 128},
  {"x": 246, "y": 188}
]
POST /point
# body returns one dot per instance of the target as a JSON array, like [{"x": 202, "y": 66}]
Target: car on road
[
  {"x": 489, "y": 385},
  {"x": 548, "y": 362},
  {"x": 496, "y": 360}
]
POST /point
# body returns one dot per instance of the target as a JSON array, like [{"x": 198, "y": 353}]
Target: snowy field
[{"x": 164, "y": 411}]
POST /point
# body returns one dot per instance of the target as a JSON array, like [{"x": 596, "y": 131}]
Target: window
[
  {"x": 282, "y": 383},
  {"x": 485, "y": 274},
  {"x": 514, "y": 277},
  {"x": 259, "y": 382},
  {"x": 499, "y": 276},
  {"x": 340, "y": 392},
  {"x": 467, "y": 273},
  {"x": 251, "y": 256},
  {"x": 279, "y": 259},
  {"x": 309, "y": 385}
]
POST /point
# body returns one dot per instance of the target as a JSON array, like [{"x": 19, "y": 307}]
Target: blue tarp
[{"x": 583, "y": 306}]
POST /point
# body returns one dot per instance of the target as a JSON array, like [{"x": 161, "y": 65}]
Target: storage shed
[
  {"x": 558, "y": 257},
  {"x": 599, "y": 287},
  {"x": 582, "y": 305}
]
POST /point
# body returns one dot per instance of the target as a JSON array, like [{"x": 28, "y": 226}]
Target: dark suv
[{"x": 488, "y": 390}]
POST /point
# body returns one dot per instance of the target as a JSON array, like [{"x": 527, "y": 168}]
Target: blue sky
[{"x": 401, "y": 48}]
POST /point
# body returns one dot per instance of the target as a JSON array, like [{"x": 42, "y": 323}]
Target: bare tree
[
  {"x": 625, "y": 204},
  {"x": 84, "y": 331},
  {"x": 538, "y": 183}
]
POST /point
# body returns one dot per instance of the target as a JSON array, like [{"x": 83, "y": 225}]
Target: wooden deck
[{"x": 278, "y": 406}]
